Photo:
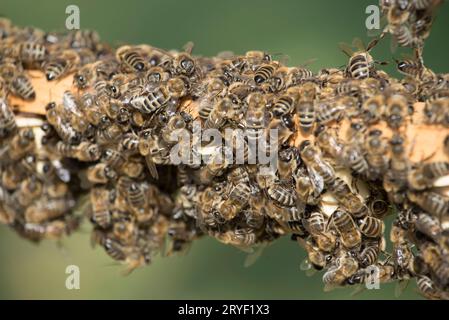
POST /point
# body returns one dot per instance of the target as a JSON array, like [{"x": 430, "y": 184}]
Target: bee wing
[
  {"x": 311, "y": 272},
  {"x": 301, "y": 206},
  {"x": 394, "y": 45},
  {"x": 400, "y": 287},
  {"x": 328, "y": 287},
  {"x": 226, "y": 55},
  {"x": 188, "y": 47},
  {"x": 346, "y": 48},
  {"x": 151, "y": 167},
  {"x": 358, "y": 44},
  {"x": 284, "y": 59},
  {"x": 360, "y": 288},
  {"x": 317, "y": 181},
  {"x": 306, "y": 224},
  {"x": 308, "y": 62},
  {"x": 83, "y": 206},
  {"x": 253, "y": 257},
  {"x": 249, "y": 250},
  {"x": 305, "y": 265}
]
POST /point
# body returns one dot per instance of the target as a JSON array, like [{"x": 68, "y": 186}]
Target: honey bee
[
  {"x": 264, "y": 72},
  {"x": 429, "y": 226},
  {"x": 31, "y": 52},
  {"x": 130, "y": 143},
  {"x": 30, "y": 190},
  {"x": 85, "y": 151},
  {"x": 316, "y": 226},
  {"x": 52, "y": 230},
  {"x": 315, "y": 163},
  {"x": 432, "y": 256},
  {"x": 349, "y": 87},
  {"x": 347, "y": 199},
  {"x": 187, "y": 198},
  {"x": 184, "y": 63},
  {"x": 236, "y": 201},
  {"x": 178, "y": 87},
  {"x": 284, "y": 127},
  {"x": 397, "y": 110},
  {"x": 131, "y": 58},
  {"x": 240, "y": 238},
  {"x": 125, "y": 231},
  {"x": 281, "y": 195},
  {"x": 217, "y": 116},
  {"x": 379, "y": 208},
  {"x": 382, "y": 271},
  {"x": 317, "y": 258},
  {"x": 254, "y": 219},
  {"x": 328, "y": 142},
  {"x": 330, "y": 77},
  {"x": 428, "y": 289},
  {"x": 371, "y": 227},
  {"x": 396, "y": 178},
  {"x": 46, "y": 209},
  {"x": 349, "y": 234},
  {"x": 328, "y": 111},
  {"x": 154, "y": 150},
  {"x": 101, "y": 174},
  {"x": 373, "y": 109},
  {"x": 354, "y": 158},
  {"x": 22, "y": 87},
  {"x": 149, "y": 101},
  {"x": 406, "y": 37},
  {"x": 288, "y": 163},
  {"x": 279, "y": 80},
  {"x": 78, "y": 39},
  {"x": 134, "y": 194},
  {"x": 254, "y": 58},
  {"x": 255, "y": 116},
  {"x": 361, "y": 63},
  {"x": 174, "y": 126},
  {"x": 215, "y": 167},
  {"x": 57, "y": 66},
  {"x": 286, "y": 103},
  {"x": 431, "y": 202},
  {"x": 113, "y": 158},
  {"x": 306, "y": 112},
  {"x": 308, "y": 187},
  {"x": 157, "y": 75},
  {"x": 67, "y": 132},
  {"x": 370, "y": 253},
  {"x": 85, "y": 76},
  {"x": 345, "y": 267},
  {"x": 114, "y": 249},
  {"x": 424, "y": 175},
  {"x": 376, "y": 150},
  {"x": 101, "y": 207},
  {"x": 435, "y": 112},
  {"x": 5, "y": 27},
  {"x": 21, "y": 144}
]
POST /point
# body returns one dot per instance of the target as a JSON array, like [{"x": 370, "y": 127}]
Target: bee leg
[
  {"x": 430, "y": 156},
  {"x": 152, "y": 167}
]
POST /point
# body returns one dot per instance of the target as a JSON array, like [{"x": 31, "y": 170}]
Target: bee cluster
[
  {"x": 342, "y": 155},
  {"x": 409, "y": 22},
  {"x": 35, "y": 199}
]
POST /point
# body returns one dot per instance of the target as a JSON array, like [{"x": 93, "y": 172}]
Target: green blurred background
[{"x": 302, "y": 30}]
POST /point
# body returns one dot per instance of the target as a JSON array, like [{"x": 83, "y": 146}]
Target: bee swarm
[{"x": 86, "y": 130}]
